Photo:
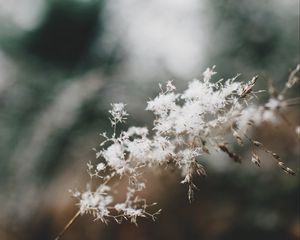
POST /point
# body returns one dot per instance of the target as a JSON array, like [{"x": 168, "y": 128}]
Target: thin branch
[{"x": 68, "y": 225}]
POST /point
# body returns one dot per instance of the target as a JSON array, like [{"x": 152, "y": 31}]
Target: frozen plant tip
[{"x": 187, "y": 127}]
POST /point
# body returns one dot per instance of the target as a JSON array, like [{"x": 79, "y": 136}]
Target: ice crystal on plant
[
  {"x": 208, "y": 73},
  {"x": 118, "y": 113},
  {"x": 96, "y": 202},
  {"x": 187, "y": 127}
]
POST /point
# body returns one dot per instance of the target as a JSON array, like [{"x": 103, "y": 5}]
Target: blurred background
[{"x": 63, "y": 62}]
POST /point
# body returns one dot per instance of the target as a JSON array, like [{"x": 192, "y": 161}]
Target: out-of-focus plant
[{"x": 187, "y": 127}]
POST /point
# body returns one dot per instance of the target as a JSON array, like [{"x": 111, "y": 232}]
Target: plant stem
[{"x": 68, "y": 225}]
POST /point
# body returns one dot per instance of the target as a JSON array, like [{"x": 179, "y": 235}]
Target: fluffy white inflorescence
[
  {"x": 118, "y": 113},
  {"x": 187, "y": 127}
]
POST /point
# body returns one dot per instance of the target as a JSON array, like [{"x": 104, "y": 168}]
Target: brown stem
[{"x": 68, "y": 225}]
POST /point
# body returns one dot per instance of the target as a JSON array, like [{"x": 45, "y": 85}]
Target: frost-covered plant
[{"x": 187, "y": 127}]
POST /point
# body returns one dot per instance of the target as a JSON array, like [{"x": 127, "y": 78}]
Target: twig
[{"x": 68, "y": 225}]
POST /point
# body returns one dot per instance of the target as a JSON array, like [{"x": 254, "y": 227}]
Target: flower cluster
[{"x": 187, "y": 127}]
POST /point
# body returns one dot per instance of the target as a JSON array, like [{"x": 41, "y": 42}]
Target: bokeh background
[{"x": 63, "y": 62}]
